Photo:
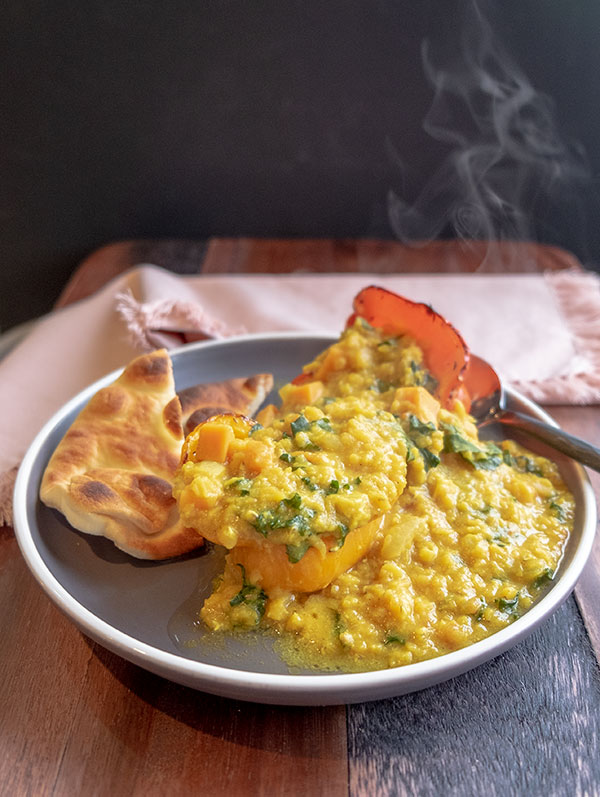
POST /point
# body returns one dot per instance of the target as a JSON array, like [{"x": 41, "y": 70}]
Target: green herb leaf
[
  {"x": 334, "y": 487},
  {"x": 296, "y": 552},
  {"x": 430, "y": 459},
  {"x": 510, "y": 606},
  {"x": 256, "y": 427},
  {"x": 394, "y": 639},
  {"x": 338, "y": 625},
  {"x": 422, "y": 427},
  {"x": 381, "y": 386},
  {"x": 559, "y": 509},
  {"x": 485, "y": 457},
  {"x": 422, "y": 377},
  {"x": 251, "y": 595},
  {"x": 242, "y": 484},
  {"x": 544, "y": 578},
  {"x": 343, "y": 533},
  {"x": 521, "y": 463},
  {"x": 285, "y": 457},
  {"x": 295, "y": 501},
  {"x": 323, "y": 423},
  {"x": 265, "y": 521},
  {"x": 299, "y": 425}
]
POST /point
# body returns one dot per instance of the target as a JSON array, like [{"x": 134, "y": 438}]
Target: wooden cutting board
[{"x": 285, "y": 256}]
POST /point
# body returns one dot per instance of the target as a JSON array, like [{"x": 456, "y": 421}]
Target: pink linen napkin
[{"x": 541, "y": 332}]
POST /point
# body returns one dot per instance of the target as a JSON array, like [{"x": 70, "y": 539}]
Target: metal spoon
[{"x": 488, "y": 404}]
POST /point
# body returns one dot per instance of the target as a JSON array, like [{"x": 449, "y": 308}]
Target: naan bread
[
  {"x": 112, "y": 473},
  {"x": 240, "y": 396}
]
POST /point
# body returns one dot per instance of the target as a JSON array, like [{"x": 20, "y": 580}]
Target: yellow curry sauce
[{"x": 368, "y": 527}]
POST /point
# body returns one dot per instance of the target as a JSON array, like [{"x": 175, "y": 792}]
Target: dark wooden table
[{"x": 78, "y": 720}]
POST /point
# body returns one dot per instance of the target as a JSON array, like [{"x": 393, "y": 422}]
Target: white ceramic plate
[{"x": 134, "y": 608}]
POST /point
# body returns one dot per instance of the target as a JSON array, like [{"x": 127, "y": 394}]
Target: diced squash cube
[
  {"x": 303, "y": 394},
  {"x": 334, "y": 361},
  {"x": 267, "y": 415},
  {"x": 257, "y": 456},
  {"x": 212, "y": 442},
  {"x": 417, "y": 401}
]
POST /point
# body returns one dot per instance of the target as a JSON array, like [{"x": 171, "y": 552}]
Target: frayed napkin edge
[
  {"x": 577, "y": 296},
  {"x": 169, "y": 322}
]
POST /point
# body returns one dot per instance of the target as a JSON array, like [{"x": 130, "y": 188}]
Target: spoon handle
[{"x": 566, "y": 443}]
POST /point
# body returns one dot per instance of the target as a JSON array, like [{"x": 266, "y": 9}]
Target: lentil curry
[{"x": 368, "y": 526}]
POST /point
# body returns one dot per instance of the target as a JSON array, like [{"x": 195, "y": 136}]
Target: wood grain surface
[
  {"x": 525, "y": 723},
  {"x": 584, "y": 422},
  {"x": 77, "y": 720}
]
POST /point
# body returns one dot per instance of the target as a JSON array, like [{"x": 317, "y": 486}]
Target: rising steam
[{"x": 506, "y": 155}]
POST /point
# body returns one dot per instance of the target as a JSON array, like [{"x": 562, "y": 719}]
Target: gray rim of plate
[{"x": 328, "y": 689}]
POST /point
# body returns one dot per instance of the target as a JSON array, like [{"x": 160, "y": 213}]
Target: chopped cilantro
[
  {"x": 510, "y": 606},
  {"x": 430, "y": 460},
  {"x": 381, "y": 386},
  {"x": 299, "y": 425},
  {"x": 296, "y": 552},
  {"x": 392, "y": 639},
  {"x": 422, "y": 427},
  {"x": 334, "y": 487},
  {"x": 302, "y": 424},
  {"x": 295, "y": 501},
  {"x": 251, "y": 595},
  {"x": 265, "y": 521},
  {"x": 342, "y": 531},
  {"x": 323, "y": 423},
  {"x": 423, "y": 378},
  {"x": 241, "y": 483},
  {"x": 285, "y": 457},
  {"x": 521, "y": 463},
  {"x": 419, "y": 428},
  {"x": 300, "y": 522},
  {"x": 282, "y": 518},
  {"x": 559, "y": 510},
  {"x": 256, "y": 427},
  {"x": 310, "y": 484},
  {"x": 310, "y": 446},
  {"x": 544, "y": 578},
  {"x": 485, "y": 457}
]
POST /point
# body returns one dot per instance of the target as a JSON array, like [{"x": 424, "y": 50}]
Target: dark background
[{"x": 242, "y": 117}]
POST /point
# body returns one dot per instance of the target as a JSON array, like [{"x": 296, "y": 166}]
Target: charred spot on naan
[
  {"x": 150, "y": 369},
  {"x": 172, "y": 416}
]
